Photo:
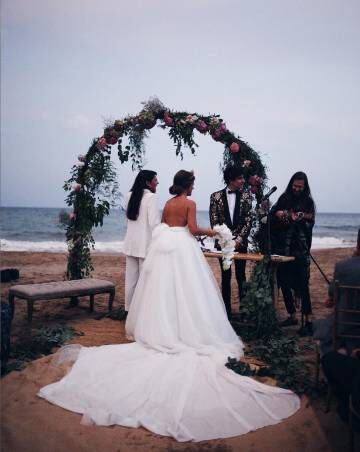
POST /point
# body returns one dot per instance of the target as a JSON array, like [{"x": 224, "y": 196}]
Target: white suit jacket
[{"x": 138, "y": 232}]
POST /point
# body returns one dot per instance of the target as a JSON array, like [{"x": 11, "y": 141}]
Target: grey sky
[{"x": 284, "y": 75}]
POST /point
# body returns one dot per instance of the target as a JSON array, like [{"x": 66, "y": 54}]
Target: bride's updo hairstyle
[{"x": 182, "y": 181}]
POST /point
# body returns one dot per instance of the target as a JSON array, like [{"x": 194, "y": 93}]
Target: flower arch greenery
[{"x": 93, "y": 182}]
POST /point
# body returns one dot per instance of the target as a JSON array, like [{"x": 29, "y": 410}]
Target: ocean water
[{"x": 39, "y": 229}]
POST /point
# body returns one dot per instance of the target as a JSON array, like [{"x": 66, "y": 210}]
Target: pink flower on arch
[
  {"x": 168, "y": 119},
  {"x": 101, "y": 143},
  {"x": 219, "y": 131},
  {"x": 201, "y": 126},
  {"x": 76, "y": 186},
  {"x": 112, "y": 140},
  {"x": 72, "y": 216},
  {"x": 234, "y": 147}
]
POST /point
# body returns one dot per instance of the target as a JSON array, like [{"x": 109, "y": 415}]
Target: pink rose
[
  {"x": 111, "y": 136},
  {"x": 101, "y": 143},
  {"x": 76, "y": 187},
  {"x": 234, "y": 147},
  {"x": 72, "y": 216},
  {"x": 201, "y": 126},
  {"x": 168, "y": 119},
  {"x": 219, "y": 131},
  {"x": 246, "y": 163},
  {"x": 112, "y": 140}
]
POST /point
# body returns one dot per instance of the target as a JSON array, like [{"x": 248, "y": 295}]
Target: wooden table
[{"x": 256, "y": 257}]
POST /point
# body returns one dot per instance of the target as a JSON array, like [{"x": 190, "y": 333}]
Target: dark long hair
[
  {"x": 182, "y": 181},
  {"x": 306, "y": 194},
  {"x": 137, "y": 191}
]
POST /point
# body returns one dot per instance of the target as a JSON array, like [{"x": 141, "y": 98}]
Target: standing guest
[
  {"x": 293, "y": 218},
  {"x": 142, "y": 213},
  {"x": 232, "y": 206}
]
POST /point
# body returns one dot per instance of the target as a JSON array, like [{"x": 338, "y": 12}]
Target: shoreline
[{"x": 120, "y": 253}]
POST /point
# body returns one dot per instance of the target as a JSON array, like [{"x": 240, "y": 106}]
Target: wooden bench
[{"x": 60, "y": 289}]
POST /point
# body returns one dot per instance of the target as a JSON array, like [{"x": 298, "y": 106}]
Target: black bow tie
[{"x": 232, "y": 192}]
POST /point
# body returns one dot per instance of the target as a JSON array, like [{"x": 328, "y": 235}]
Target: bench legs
[
  {"x": 92, "y": 303},
  {"x": 12, "y": 305},
  {"x": 111, "y": 299},
  {"x": 30, "y": 305}
]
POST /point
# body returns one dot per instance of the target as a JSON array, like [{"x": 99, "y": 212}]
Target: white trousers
[{"x": 132, "y": 273}]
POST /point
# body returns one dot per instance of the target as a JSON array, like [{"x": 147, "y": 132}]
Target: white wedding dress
[{"x": 172, "y": 380}]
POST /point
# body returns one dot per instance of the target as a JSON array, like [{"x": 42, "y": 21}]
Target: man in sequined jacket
[{"x": 232, "y": 206}]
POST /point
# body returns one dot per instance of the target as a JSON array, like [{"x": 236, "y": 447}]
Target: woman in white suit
[{"x": 142, "y": 213}]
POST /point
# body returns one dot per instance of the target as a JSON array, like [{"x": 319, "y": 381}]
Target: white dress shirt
[{"x": 231, "y": 199}]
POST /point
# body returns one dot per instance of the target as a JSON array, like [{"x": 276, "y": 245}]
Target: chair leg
[
  {"x": 30, "y": 306},
  {"x": 92, "y": 303},
  {"x": 12, "y": 305},
  {"x": 351, "y": 433},
  {"x": 111, "y": 299},
  {"x": 317, "y": 367},
  {"x": 328, "y": 399}
]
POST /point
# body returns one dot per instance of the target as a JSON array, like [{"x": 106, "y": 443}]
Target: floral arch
[{"x": 93, "y": 184}]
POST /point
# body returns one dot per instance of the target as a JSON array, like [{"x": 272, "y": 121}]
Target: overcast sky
[{"x": 283, "y": 74}]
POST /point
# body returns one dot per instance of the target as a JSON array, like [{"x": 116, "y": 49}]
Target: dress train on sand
[{"x": 172, "y": 380}]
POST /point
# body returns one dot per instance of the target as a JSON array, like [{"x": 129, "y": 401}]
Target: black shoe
[
  {"x": 306, "y": 330},
  {"x": 288, "y": 322}
]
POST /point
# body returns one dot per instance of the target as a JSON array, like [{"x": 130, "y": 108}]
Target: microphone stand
[{"x": 268, "y": 227}]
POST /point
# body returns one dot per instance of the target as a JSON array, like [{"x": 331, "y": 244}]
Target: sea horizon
[
  {"x": 38, "y": 229},
  {"x": 119, "y": 208}
]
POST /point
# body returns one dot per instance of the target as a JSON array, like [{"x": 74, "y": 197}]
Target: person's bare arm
[{"x": 192, "y": 224}]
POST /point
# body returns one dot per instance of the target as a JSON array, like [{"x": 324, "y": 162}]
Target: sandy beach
[{"x": 26, "y": 418}]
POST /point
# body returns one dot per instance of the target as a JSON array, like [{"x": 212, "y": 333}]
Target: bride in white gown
[{"x": 172, "y": 380}]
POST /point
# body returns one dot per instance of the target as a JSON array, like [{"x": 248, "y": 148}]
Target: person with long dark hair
[
  {"x": 293, "y": 218},
  {"x": 142, "y": 214}
]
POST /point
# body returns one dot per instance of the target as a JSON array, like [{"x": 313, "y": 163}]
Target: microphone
[{"x": 267, "y": 196}]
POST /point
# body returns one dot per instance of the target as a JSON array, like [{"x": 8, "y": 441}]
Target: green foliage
[
  {"x": 41, "y": 343},
  {"x": 256, "y": 307},
  {"x": 259, "y": 328},
  {"x": 98, "y": 192},
  {"x": 98, "y": 189},
  {"x": 281, "y": 355}
]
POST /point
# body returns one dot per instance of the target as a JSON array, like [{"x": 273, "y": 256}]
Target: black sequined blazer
[{"x": 242, "y": 220}]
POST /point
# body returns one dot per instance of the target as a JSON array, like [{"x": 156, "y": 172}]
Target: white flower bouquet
[{"x": 227, "y": 243}]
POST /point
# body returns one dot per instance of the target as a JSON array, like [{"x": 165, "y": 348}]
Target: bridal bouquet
[{"x": 227, "y": 243}]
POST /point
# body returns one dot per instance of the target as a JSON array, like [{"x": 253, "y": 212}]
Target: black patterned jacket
[{"x": 242, "y": 220}]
